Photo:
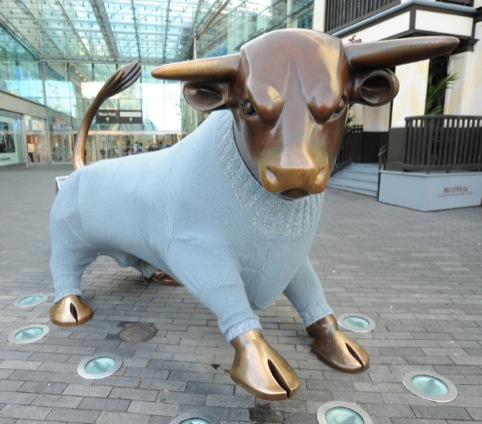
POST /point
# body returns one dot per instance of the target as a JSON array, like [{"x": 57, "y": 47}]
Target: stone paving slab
[{"x": 418, "y": 275}]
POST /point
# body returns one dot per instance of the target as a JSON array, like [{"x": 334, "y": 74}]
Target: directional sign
[
  {"x": 107, "y": 116},
  {"x": 130, "y": 116}
]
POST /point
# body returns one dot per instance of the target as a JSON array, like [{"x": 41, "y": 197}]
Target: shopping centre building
[{"x": 55, "y": 56}]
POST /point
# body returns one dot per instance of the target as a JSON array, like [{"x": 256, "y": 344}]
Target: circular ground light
[
  {"x": 195, "y": 417},
  {"x": 99, "y": 366},
  {"x": 430, "y": 385},
  {"x": 28, "y": 334},
  {"x": 356, "y": 322},
  {"x": 30, "y": 300},
  {"x": 342, "y": 413}
]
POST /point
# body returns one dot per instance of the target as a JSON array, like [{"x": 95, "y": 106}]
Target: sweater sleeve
[
  {"x": 212, "y": 274},
  {"x": 306, "y": 294}
]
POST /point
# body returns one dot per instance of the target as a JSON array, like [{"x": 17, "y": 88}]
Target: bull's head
[{"x": 289, "y": 92}]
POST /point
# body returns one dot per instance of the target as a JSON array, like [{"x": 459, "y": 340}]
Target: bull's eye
[
  {"x": 248, "y": 108},
  {"x": 341, "y": 107}
]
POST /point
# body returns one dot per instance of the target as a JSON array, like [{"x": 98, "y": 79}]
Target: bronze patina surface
[
  {"x": 259, "y": 369},
  {"x": 70, "y": 311},
  {"x": 335, "y": 348}
]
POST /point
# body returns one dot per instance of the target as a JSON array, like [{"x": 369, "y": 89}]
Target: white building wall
[
  {"x": 319, "y": 12},
  {"x": 437, "y": 22},
  {"x": 383, "y": 30},
  {"x": 373, "y": 119},
  {"x": 464, "y": 98},
  {"x": 410, "y": 100},
  {"x": 376, "y": 119}
]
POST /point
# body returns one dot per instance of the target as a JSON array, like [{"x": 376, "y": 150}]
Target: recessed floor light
[
  {"x": 99, "y": 366},
  {"x": 338, "y": 412},
  {"x": 28, "y": 334},
  {"x": 30, "y": 300},
  {"x": 431, "y": 386},
  {"x": 356, "y": 322},
  {"x": 195, "y": 417}
]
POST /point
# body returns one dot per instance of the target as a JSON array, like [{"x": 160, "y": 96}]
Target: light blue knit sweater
[{"x": 195, "y": 211}]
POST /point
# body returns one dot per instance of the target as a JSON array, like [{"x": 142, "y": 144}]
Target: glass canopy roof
[{"x": 108, "y": 31}]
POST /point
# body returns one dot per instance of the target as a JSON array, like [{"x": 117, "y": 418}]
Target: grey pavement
[{"x": 418, "y": 275}]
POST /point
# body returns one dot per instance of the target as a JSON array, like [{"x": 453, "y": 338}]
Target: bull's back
[{"x": 120, "y": 200}]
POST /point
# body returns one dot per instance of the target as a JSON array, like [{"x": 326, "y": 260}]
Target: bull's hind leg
[
  {"x": 71, "y": 254},
  {"x": 67, "y": 269},
  {"x": 163, "y": 279},
  {"x": 70, "y": 311}
]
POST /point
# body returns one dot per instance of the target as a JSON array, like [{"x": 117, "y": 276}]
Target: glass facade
[
  {"x": 73, "y": 49},
  {"x": 19, "y": 70},
  {"x": 101, "y": 31},
  {"x": 242, "y": 20},
  {"x": 11, "y": 146},
  {"x": 147, "y": 115}
]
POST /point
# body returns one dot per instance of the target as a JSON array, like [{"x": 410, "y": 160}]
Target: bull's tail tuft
[{"x": 120, "y": 80}]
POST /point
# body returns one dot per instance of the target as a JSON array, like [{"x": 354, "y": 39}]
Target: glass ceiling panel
[{"x": 108, "y": 31}]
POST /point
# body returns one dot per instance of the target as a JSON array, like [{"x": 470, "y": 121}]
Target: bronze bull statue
[{"x": 231, "y": 210}]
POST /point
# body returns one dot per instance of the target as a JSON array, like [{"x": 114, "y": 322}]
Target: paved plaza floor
[{"x": 417, "y": 275}]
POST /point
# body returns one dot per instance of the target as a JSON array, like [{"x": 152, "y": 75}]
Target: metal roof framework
[{"x": 110, "y": 31}]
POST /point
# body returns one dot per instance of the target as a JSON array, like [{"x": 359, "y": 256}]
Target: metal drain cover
[{"x": 138, "y": 332}]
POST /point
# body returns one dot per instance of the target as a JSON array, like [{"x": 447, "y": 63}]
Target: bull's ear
[
  {"x": 375, "y": 88},
  {"x": 207, "y": 80},
  {"x": 206, "y": 97}
]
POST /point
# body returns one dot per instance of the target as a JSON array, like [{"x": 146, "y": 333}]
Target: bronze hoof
[
  {"x": 260, "y": 370},
  {"x": 70, "y": 311},
  {"x": 335, "y": 348},
  {"x": 160, "y": 277}
]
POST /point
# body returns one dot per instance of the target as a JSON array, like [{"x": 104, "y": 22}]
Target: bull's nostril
[
  {"x": 320, "y": 178},
  {"x": 271, "y": 176}
]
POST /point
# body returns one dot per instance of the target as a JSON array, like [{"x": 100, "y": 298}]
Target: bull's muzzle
[{"x": 294, "y": 183}]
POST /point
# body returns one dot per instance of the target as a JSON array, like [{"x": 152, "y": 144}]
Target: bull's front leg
[
  {"x": 335, "y": 348},
  {"x": 260, "y": 370},
  {"x": 257, "y": 367},
  {"x": 331, "y": 345}
]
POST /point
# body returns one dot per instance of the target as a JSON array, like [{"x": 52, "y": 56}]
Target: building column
[
  {"x": 463, "y": 97},
  {"x": 410, "y": 101},
  {"x": 319, "y": 11}
]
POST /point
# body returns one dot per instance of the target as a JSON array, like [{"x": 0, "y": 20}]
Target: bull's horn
[
  {"x": 218, "y": 69},
  {"x": 397, "y": 52}
]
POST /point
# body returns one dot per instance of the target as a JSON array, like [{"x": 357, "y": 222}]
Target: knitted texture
[{"x": 196, "y": 212}]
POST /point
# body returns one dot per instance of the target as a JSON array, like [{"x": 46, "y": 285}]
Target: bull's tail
[{"x": 120, "y": 80}]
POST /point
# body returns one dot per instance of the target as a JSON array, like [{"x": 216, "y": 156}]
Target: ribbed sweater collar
[{"x": 275, "y": 216}]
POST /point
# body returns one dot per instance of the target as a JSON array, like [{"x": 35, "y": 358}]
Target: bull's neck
[{"x": 275, "y": 216}]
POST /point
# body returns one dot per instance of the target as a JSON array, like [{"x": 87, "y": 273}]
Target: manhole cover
[{"x": 138, "y": 332}]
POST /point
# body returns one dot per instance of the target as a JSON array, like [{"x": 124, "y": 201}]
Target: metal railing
[
  {"x": 350, "y": 148},
  {"x": 443, "y": 142},
  {"x": 382, "y": 164},
  {"x": 340, "y": 13},
  {"x": 382, "y": 157}
]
